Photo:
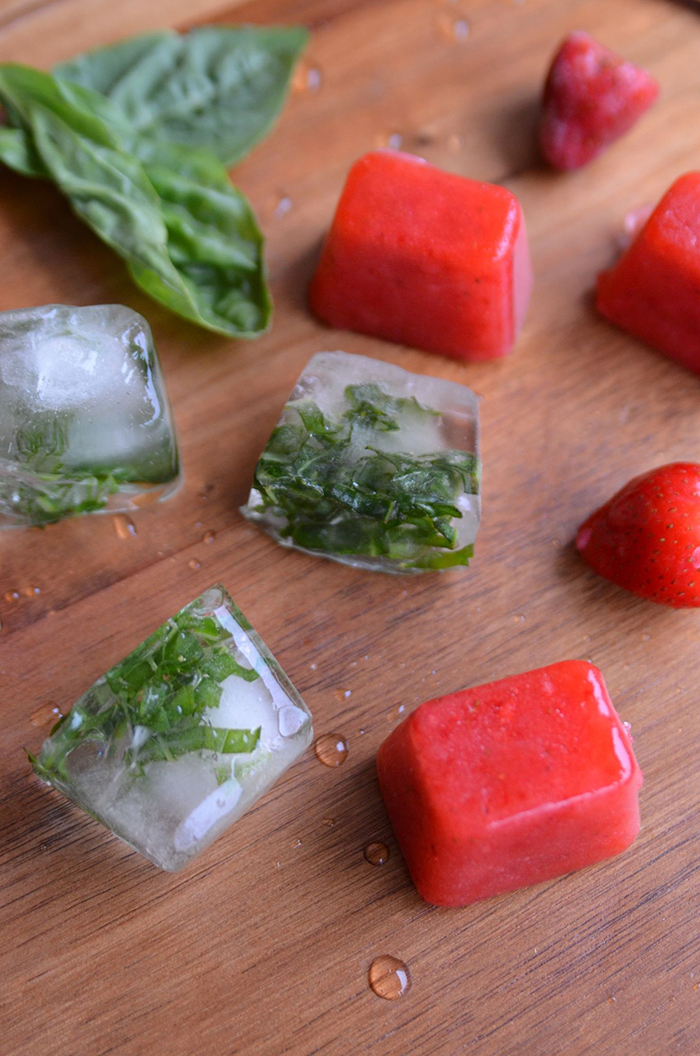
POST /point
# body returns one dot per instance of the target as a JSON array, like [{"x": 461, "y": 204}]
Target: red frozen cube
[
  {"x": 425, "y": 258},
  {"x": 510, "y": 783},
  {"x": 591, "y": 98},
  {"x": 654, "y": 289}
]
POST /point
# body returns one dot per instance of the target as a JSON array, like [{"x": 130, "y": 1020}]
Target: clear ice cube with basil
[
  {"x": 85, "y": 423},
  {"x": 373, "y": 466},
  {"x": 176, "y": 742}
]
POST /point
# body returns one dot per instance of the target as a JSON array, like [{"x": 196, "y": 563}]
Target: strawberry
[
  {"x": 646, "y": 538},
  {"x": 591, "y": 97}
]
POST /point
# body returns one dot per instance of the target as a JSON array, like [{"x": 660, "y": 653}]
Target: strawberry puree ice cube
[
  {"x": 510, "y": 783},
  {"x": 422, "y": 257}
]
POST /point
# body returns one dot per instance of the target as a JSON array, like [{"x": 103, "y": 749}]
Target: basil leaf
[
  {"x": 216, "y": 87},
  {"x": 19, "y": 153},
  {"x": 101, "y": 69},
  {"x": 198, "y": 738},
  {"x": 214, "y": 241},
  {"x": 188, "y": 236},
  {"x": 108, "y": 188}
]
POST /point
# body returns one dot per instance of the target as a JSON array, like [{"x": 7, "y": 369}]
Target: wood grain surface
[{"x": 263, "y": 946}]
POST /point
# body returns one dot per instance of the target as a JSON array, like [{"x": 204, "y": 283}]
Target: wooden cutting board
[{"x": 263, "y": 946}]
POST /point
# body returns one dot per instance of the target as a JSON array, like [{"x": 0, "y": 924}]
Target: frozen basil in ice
[
  {"x": 85, "y": 423},
  {"x": 176, "y": 742},
  {"x": 373, "y": 466}
]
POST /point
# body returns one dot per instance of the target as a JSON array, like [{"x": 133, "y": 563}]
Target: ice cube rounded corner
[
  {"x": 510, "y": 783},
  {"x": 85, "y": 422},
  {"x": 174, "y": 743},
  {"x": 373, "y": 466}
]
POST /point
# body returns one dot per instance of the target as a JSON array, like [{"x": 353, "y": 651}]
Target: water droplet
[
  {"x": 46, "y": 715},
  {"x": 313, "y": 667},
  {"x": 342, "y": 694},
  {"x": 330, "y": 822},
  {"x": 208, "y": 538},
  {"x": 397, "y": 712},
  {"x": 633, "y": 223},
  {"x": 696, "y": 987},
  {"x": 290, "y": 720},
  {"x": 393, "y": 140},
  {"x": 307, "y": 77},
  {"x": 313, "y": 79},
  {"x": 297, "y": 843},
  {"x": 389, "y": 977},
  {"x": 519, "y": 619},
  {"x": 451, "y": 28},
  {"x": 376, "y": 853},
  {"x": 11, "y": 595},
  {"x": 646, "y": 637},
  {"x": 194, "y": 563},
  {"x": 31, "y": 592},
  {"x": 284, "y": 204},
  {"x": 124, "y": 526},
  {"x": 331, "y": 749},
  {"x": 361, "y": 733}
]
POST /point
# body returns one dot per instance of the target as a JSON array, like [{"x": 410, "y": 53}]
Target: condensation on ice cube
[
  {"x": 169, "y": 792},
  {"x": 85, "y": 423},
  {"x": 444, "y": 418}
]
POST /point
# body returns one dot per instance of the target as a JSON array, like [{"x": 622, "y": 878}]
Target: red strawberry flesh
[
  {"x": 646, "y": 538},
  {"x": 592, "y": 97}
]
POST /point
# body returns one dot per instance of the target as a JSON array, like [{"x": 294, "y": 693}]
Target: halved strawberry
[
  {"x": 646, "y": 538},
  {"x": 591, "y": 97}
]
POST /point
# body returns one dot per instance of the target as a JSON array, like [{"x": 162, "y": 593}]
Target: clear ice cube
[
  {"x": 373, "y": 466},
  {"x": 85, "y": 423},
  {"x": 176, "y": 742}
]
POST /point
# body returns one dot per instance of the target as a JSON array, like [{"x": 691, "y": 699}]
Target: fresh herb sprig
[
  {"x": 150, "y": 706},
  {"x": 142, "y": 158},
  {"x": 375, "y": 504}
]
